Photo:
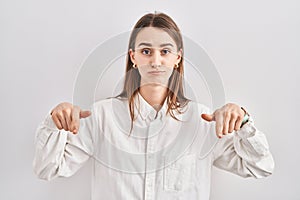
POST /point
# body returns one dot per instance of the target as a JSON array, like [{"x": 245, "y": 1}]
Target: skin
[
  {"x": 155, "y": 57},
  {"x": 67, "y": 116}
]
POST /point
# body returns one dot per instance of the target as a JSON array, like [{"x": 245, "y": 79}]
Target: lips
[{"x": 156, "y": 72}]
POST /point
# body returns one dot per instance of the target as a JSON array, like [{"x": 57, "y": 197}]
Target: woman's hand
[
  {"x": 67, "y": 116},
  {"x": 227, "y": 118}
]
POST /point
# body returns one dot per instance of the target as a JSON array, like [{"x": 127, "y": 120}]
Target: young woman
[{"x": 151, "y": 142}]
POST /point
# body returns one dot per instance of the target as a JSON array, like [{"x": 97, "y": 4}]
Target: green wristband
[{"x": 246, "y": 117}]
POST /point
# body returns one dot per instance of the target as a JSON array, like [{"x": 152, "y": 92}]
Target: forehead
[{"x": 154, "y": 36}]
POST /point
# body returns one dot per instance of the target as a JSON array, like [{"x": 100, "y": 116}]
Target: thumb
[
  {"x": 84, "y": 114},
  {"x": 208, "y": 117}
]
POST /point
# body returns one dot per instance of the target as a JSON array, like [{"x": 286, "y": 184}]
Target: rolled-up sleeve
[
  {"x": 244, "y": 152},
  {"x": 60, "y": 152}
]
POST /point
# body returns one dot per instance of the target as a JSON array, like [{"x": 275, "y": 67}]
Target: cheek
[
  {"x": 169, "y": 72},
  {"x": 142, "y": 60},
  {"x": 170, "y": 62},
  {"x": 142, "y": 71}
]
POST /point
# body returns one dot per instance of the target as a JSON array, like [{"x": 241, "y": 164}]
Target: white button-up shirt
[{"x": 161, "y": 158}]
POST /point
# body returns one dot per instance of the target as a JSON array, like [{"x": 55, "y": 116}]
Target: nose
[{"x": 156, "y": 59}]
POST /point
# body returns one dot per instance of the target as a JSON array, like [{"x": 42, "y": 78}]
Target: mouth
[{"x": 156, "y": 72}]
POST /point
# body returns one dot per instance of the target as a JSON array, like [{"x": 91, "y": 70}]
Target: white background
[{"x": 254, "y": 45}]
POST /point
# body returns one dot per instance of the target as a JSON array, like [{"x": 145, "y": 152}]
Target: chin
[{"x": 155, "y": 83}]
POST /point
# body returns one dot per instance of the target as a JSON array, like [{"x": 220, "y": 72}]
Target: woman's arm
[
  {"x": 241, "y": 149},
  {"x": 59, "y": 152},
  {"x": 245, "y": 153}
]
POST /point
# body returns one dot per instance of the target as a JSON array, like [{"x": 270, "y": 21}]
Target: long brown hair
[{"x": 175, "y": 94}]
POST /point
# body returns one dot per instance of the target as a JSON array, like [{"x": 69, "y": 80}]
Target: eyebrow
[{"x": 150, "y": 45}]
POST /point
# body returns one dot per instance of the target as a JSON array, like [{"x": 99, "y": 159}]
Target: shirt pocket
[{"x": 178, "y": 176}]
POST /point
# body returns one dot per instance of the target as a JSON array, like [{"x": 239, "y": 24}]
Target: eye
[
  {"x": 165, "y": 51},
  {"x": 146, "y": 51}
]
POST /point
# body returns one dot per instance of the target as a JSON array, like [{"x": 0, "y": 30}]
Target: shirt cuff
[
  {"x": 46, "y": 130},
  {"x": 49, "y": 123},
  {"x": 248, "y": 129},
  {"x": 255, "y": 138}
]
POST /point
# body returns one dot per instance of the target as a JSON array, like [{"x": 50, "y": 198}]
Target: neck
[{"x": 154, "y": 94}]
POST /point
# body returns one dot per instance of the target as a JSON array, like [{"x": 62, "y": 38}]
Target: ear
[
  {"x": 131, "y": 54},
  {"x": 179, "y": 56}
]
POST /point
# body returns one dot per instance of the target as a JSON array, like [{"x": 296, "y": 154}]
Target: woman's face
[{"x": 155, "y": 56}]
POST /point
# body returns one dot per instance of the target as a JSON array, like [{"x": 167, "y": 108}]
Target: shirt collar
[{"x": 146, "y": 110}]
